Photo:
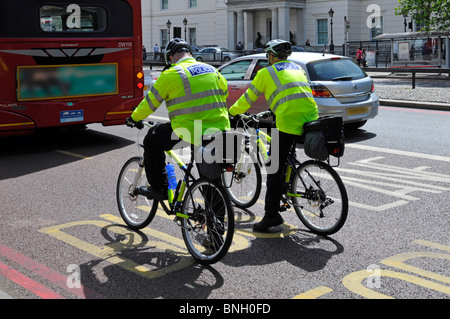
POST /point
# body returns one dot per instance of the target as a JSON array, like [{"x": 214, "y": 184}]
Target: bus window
[{"x": 72, "y": 18}]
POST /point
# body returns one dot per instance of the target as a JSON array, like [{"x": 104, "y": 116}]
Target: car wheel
[
  {"x": 227, "y": 58},
  {"x": 199, "y": 59}
]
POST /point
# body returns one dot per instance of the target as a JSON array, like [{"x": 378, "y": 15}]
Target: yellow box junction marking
[
  {"x": 353, "y": 282},
  {"x": 112, "y": 252}
]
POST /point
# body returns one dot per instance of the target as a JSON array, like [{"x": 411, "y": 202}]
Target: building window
[
  {"x": 322, "y": 31},
  {"x": 164, "y": 36},
  {"x": 419, "y": 25},
  {"x": 192, "y": 36},
  {"x": 164, "y": 4},
  {"x": 377, "y": 29},
  {"x": 192, "y": 3}
]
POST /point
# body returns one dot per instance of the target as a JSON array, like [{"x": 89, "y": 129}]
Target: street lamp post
[
  {"x": 347, "y": 27},
  {"x": 185, "y": 21},
  {"x": 168, "y": 24},
  {"x": 331, "y": 13},
  {"x": 405, "y": 15}
]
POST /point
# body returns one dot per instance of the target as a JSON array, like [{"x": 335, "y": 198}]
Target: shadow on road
[
  {"x": 358, "y": 135},
  {"x": 21, "y": 155},
  {"x": 113, "y": 281}
]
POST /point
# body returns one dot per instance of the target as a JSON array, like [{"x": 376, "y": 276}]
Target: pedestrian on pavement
[
  {"x": 363, "y": 57},
  {"x": 290, "y": 98},
  {"x": 156, "y": 52},
  {"x": 359, "y": 56}
]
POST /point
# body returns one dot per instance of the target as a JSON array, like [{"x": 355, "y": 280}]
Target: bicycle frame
[
  {"x": 175, "y": 199},
  {"x": 201, "y": 206},
  {"x": 303, "y": 181},
  {"x": 292, "y": 161}
]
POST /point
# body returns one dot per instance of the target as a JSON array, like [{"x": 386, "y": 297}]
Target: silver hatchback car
[
  {"x": 339, "y": 86},
  {"x": 215, "y": 54}
]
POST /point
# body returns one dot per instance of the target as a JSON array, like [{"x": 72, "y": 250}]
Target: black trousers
[
  {"x": 275, "y": 181},
  {"x": 159, "y": 139}
]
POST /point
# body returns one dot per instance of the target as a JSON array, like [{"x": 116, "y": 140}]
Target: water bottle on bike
[{"x": 172, "y": 180}]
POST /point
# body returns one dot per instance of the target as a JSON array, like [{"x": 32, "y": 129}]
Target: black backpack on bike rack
[{"x": 324, "y": 137}]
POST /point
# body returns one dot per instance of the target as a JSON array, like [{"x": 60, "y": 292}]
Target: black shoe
[
  {"x": 268, "y": 221},
  {"x": 148, "y": 192}
]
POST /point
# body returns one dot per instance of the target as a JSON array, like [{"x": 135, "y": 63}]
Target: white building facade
[{"x": 253, "y": 23}]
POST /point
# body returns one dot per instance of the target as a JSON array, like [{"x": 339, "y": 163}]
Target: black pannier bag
[
  {"x": 323, "y": 137},
  {"x": 315, "y": 145}
]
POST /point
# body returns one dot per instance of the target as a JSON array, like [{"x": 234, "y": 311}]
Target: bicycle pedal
[{"x": 177, "y": 220}]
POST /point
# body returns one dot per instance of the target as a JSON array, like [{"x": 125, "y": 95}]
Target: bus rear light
[
  {"x": 140, "y": 86},
  {"x": 320, "y": 91},
  {"x": 139, "y": 75}
]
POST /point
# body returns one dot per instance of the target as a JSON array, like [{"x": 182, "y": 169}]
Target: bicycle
[
  {"x": 201, "y": 207},
  {"x": 313, "y": 187}
]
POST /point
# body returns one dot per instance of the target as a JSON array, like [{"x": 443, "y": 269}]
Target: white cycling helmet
[{"x": 280, "y": 48}]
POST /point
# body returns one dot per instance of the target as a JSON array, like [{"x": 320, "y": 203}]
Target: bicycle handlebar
[
  {"x": 252, "y": 118},
  {"x": 148, "y": 123},
  {"x": 257, "y": 116}
]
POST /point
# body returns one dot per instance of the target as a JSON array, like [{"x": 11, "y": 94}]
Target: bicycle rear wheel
[
  {"x": 320, "y": 199},
  {"x": 209, "y": 230},
  {"x": 243, "y": 184},
  {"x": 136, "y": 210}
]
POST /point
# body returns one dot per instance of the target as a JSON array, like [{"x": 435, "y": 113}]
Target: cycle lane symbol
[{"x": 400, "y": 185}]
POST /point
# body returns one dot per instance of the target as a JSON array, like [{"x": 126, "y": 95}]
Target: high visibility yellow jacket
[
  {"x": 195, "y": 95},
  {"x": 288, "y": 94}
]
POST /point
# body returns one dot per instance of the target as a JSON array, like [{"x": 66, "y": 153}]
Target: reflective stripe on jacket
[
  {"x": 288, "y": 95},
  {"x": 193, "y": 92}
]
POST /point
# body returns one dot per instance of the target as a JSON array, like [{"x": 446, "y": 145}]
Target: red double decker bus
[{"x": 68, "y": 63}]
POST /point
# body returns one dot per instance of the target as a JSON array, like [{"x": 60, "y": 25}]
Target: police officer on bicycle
[
  {"x": 290, "y": 98},
  {"x": 195, "y": 94}
]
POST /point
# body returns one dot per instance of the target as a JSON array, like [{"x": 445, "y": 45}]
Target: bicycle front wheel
[
  {"x": 137, "y": 211},
  {"x": 319, "y": 197},
  {"x": 243, "y": 184},
  {"x": 209, "y": 230}
]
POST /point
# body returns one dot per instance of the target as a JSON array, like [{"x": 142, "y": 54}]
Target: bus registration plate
[{"x": 71, "y": 116}]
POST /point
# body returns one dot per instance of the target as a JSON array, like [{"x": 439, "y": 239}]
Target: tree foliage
[{"x": 434, "y": 15}]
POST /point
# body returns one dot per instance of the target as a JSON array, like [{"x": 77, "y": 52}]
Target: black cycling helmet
[
  {"x": 174, "y": 46},
  {"x": 280, "y": 48}
]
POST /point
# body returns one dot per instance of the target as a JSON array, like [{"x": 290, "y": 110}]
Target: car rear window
[
  {"x": 236, "y": 70},
  {"x": 334, "y": 70}
]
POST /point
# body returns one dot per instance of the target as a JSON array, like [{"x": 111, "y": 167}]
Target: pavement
[{"x": 432, "y": 90}]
